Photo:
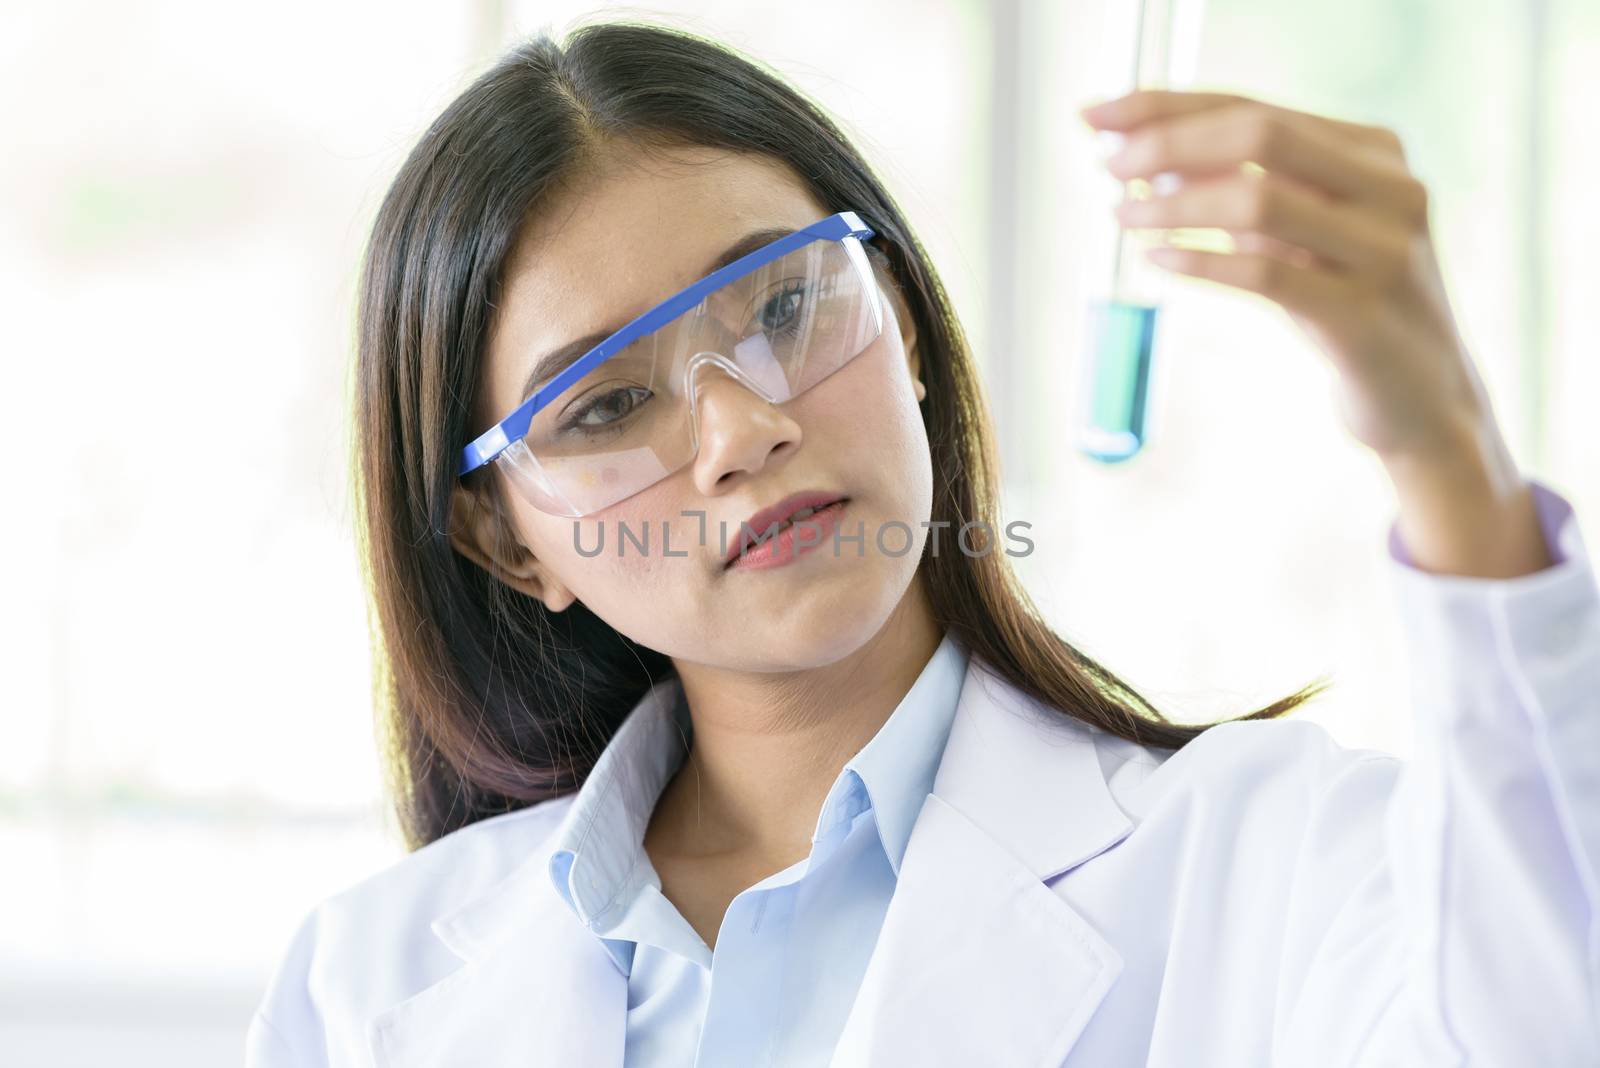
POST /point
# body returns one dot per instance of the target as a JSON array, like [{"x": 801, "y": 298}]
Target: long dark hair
[{"x": 488, "y": 702}]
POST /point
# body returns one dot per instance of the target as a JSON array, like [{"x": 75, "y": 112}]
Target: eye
[
  {"x": 605, "y": 410},
  {"x": 781, "y": 312}
]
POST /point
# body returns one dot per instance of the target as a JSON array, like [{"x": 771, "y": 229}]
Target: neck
[{"x": 768, "y": 746}]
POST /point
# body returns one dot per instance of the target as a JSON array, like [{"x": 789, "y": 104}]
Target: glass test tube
[{"x": 1116, "y": 415}]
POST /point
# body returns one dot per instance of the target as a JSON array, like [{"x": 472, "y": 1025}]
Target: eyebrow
[{"x": 554, "y": 362}]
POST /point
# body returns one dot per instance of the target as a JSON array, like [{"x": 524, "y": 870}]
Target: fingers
[
  {"x": 1147, "y": 105},
  {"x": 1207, "y": 133},
  {"x": 1249, "y": 241},
  {"x": 1305, "y": 290},
  {"x": 1346, "y": 236},
  {"x": 1379, "y": 139},
  {"x": 1221, "y": 139}
]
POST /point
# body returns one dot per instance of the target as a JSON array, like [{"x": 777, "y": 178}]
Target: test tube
[{"x": 1117, "y": 413}]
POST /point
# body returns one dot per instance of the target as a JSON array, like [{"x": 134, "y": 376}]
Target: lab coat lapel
[
  {"x": 537, "y": 989},
  {"x": 979, "y": 961}
]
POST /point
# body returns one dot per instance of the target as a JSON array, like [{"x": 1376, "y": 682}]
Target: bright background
[{"x": 187, "y": 763}]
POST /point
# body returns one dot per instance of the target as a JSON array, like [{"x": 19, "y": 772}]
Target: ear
[
  {"x": 483, "y": 535},
  {"x": 908, "y": 337}
]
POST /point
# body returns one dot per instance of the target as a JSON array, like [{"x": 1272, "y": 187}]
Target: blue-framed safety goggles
[{"x": 624, "y": 415}]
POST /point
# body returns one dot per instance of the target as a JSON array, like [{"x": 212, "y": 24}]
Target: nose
[{"x": 740, "y": 431}]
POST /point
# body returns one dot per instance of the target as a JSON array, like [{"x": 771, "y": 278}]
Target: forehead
[{"x": 637, "y": 229}]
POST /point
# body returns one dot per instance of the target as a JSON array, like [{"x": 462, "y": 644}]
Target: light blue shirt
[{"x": 792, "y": 948}]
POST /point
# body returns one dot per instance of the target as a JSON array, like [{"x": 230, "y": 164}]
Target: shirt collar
[
  {"x": 896, "y": 767},
  {"x": 601, "y": 837},
  {"x": 600, "y": 842}
]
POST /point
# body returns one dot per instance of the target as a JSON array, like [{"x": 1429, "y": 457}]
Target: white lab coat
[{"x": 1263, "y": 896}]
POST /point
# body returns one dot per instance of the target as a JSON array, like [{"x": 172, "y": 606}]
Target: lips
[{"x": 754, "y": 529}]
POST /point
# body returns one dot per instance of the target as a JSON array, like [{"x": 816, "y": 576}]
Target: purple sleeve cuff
[{"x": 1554, "y": 510}]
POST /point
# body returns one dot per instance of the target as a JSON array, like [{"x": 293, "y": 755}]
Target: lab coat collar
[{"x": 978, "y": 959}]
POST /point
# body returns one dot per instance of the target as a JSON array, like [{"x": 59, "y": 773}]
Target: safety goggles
[{"x": 625, "y": 414}]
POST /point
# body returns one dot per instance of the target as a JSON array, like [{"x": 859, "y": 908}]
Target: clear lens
[{"x": 630, "y": 421}]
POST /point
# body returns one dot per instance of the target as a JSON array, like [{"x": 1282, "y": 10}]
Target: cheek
[
  {"x": 878, "y": 411},
  {"x": 603, "y": 566},
  {"x": 866, "y": 399},
  {"x": 631, "y": 583},
  {"x": 870, "y": 402}
]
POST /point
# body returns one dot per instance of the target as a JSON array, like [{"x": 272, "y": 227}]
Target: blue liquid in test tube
[
  {"x": 1117, "y": 413},
  {"x": 1121, "y": 352}
]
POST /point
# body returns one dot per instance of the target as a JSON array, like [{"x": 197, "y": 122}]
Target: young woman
[{"x": 721, "y": 732}]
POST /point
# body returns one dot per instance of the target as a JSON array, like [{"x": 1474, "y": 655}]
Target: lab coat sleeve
[
  {"x": 1443, "y": 909},
  {"x": 286, "y": 1030}
]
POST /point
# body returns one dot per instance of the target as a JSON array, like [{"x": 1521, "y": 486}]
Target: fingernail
[
  {"x": 1166, "y": 183},
  {"x": 1110, "y": 142}
]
